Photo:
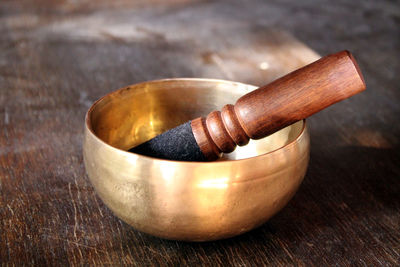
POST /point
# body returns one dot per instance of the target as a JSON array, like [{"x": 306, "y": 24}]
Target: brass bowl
[{"x": 192, "y": 201}]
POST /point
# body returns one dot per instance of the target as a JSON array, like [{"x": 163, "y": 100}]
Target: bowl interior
[{"x": 135, "y": 114}]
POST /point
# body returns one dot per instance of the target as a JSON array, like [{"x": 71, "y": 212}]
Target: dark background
[{"x": 57, "y": 57}]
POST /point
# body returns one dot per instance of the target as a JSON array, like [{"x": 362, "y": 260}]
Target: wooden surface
[{"x": 56, "y": 58}]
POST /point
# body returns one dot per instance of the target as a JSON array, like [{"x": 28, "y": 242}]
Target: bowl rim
[{"x": 90, "y": 130}]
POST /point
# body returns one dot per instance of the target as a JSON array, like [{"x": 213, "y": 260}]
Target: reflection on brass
[{"x": 193, "y": 201}]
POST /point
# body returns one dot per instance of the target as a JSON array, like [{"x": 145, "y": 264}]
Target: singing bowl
[{"x": 191, "y": 201}]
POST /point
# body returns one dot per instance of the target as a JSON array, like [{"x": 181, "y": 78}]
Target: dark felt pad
[{"x": 175, "y": 144}]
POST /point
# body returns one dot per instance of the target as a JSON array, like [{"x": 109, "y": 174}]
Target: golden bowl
[{"x": 192, "y": 201}]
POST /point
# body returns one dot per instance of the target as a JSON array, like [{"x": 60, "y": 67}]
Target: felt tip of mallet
[{"x": 175, "y": 144}]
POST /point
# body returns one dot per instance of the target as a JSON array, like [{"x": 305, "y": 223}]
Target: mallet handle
[{"x": 272, "y": 107}]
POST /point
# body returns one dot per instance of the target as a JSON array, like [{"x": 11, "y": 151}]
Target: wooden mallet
[{"x": 261, "y": 112}]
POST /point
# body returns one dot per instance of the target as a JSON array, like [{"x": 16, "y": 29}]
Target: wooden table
[{"x": 56, "y": 59}]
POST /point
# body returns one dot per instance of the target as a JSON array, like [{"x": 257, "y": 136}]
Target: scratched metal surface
[{"x": 57, "y": 58}]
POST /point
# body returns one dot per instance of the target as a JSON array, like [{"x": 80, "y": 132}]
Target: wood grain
[
  {"x": 271, "y": 107},
  {"x": 57, "y": 57}
]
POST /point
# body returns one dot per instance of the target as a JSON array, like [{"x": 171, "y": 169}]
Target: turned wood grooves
[{"x": 272, "y": 107}]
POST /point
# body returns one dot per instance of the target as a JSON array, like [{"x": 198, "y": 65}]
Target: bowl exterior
[{"x": 195, "y": 201}]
